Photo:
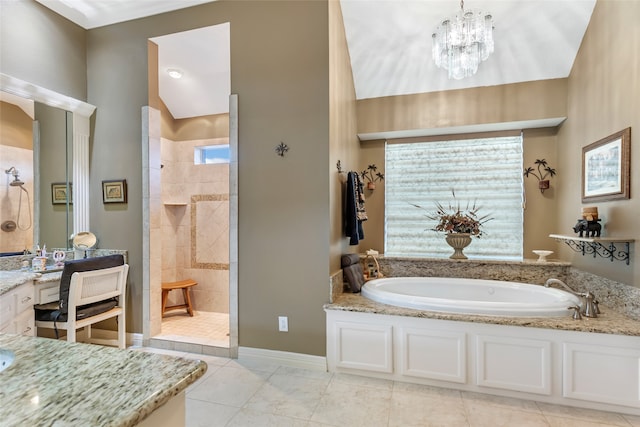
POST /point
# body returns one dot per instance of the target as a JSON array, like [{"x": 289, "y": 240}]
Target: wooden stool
[{"x": 182, "y": 284}]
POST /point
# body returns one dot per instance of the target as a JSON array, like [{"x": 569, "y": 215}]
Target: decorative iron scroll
[{"x": 598, "y": 249}]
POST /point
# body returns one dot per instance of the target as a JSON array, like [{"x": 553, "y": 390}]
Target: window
[
  {"x": 486, "y": 171},
  {"x": 211, "y": 154}
]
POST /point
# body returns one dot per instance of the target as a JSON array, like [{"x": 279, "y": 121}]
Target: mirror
[
  {"x": 36, "y": 148},
  {"x": 60, "y": 129}
]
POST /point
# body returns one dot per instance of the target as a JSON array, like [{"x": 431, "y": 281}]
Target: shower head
[{"x": 16, "y": 179}]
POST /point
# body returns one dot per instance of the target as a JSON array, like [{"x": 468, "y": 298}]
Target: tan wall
[
  {"x": 16, "y": 129},
  {"x": 604, "y": 98},
  {"x": 496, "y": 104},
  {"x": 43, "y": 48},
  {"x": 279, "y": 69},
  {"x": 483, "y": 105},
  {"x": 344, "y": 146}
]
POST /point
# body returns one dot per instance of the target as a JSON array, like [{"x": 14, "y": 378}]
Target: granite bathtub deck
[
  {"x": 71, "y": 384},
  {"x": 609, "y": 322}
]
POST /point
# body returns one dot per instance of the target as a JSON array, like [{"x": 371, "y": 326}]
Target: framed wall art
[
  {"x": 606, "y": 166},
  {"x": 59, "y": 193},
  {"x": 114, "y": 191}
]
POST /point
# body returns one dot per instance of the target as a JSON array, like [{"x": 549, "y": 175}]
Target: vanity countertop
[
  {"x": 10, "y": 279},
  {"x": 609, "y": 322},
  {"x": 54, "y": 382}
]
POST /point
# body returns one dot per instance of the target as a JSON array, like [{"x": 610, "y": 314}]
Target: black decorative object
[
  {"x": 281, "y": 149},
  {"x": 592, "y": 228}
]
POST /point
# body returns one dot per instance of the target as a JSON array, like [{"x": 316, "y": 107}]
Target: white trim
[
  {"x": 284, "y": 358},
  {"x": 486, "y": 127},
  {"x": 37, "y": 93}
]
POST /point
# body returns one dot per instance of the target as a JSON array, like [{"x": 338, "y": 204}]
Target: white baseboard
[{"x": 284, "y": 358}]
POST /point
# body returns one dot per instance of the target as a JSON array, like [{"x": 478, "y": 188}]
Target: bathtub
[{"x": 471, "y": 296}]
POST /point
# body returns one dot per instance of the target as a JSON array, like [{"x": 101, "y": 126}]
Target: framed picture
[
  {"x": 606, "y": 166},
  {"x": 114, "y": 191},
  {"x": 59, "y": 193}
]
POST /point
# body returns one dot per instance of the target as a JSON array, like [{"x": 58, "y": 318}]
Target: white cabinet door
[
  {"x": 363, "y": 346},
  {"x": 25, "y": 323},
  {"x": 601, "y": 373},
  {"x": 514, "y": 364},
  {"x": 433, "y": 354}
]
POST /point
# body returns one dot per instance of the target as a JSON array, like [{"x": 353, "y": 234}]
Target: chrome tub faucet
[{"x": 589, "y": 303}]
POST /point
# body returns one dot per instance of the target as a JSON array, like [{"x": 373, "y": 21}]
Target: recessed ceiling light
[{"x": 174, "y": 72}]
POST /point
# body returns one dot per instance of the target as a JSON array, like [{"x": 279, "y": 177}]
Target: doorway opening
[{"x": 191, "y": 213}]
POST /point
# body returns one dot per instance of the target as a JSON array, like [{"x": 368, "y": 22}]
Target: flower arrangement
[{"x": 454, "y": 219}]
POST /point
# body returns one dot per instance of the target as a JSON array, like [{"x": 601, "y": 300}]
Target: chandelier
[{"x": 461, "y": 42}]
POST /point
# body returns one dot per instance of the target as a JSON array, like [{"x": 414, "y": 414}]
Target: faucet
[{"x": 589, "y": 303}]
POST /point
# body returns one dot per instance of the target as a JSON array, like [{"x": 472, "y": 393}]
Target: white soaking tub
[{"x": 471, "y": 296}]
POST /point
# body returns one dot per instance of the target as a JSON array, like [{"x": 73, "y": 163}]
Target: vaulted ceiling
[{"x": 389, "y": 44}]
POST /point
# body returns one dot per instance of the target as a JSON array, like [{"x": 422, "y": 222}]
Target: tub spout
[{"x": 589, "y": 304}]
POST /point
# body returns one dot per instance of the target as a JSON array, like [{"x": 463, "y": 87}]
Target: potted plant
[
  {"x": 459, "y": 224},
  {"x": 370, "y": 175},
  {"x": 544, "y": 171}
]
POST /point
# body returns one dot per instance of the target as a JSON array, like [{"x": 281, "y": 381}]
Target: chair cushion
[
  {"x": 50, "y": 313},
  {"x": 85, "y": 264}
]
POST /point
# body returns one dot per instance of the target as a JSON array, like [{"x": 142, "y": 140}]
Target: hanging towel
[{"x": 354, "y": 208}]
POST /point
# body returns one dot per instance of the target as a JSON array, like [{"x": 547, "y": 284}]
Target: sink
[{"x": 6, "y": 359}]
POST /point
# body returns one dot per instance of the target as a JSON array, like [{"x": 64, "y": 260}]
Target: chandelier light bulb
[{"x": 462, "y": 42}]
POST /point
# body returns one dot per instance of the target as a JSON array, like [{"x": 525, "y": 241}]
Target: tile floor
[
  {"x": 246, "y": 393},
  {"x": 204, "y": 328}
]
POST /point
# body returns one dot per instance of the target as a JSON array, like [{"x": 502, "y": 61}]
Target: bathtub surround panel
[{"x": 543, "y": 365}]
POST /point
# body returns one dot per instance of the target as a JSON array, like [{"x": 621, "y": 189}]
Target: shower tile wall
[
  {"x": 195, "y": 224},
  {"x": 22, "y": 159}
]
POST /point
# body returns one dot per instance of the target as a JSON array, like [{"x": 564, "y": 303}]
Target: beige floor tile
[
  {"x": 229, "y": 386},
  {"x": 480, "y": 415},
  {"x": 473, "y": 399},
  {"x": 249, "y": 418},
  {"x": 204, "y": 328},
  {"x": 572, "y": 422},
  {"x": 426, "y": 407},
  {"x": 363, "y": 381},
  {"x": 207, "y": 414},
  {"x": 633, "y": 420},
  {"x": 583, "y": 414},
  {"x": 290, "y": 395},
  {"x": 353, "y": 406}
]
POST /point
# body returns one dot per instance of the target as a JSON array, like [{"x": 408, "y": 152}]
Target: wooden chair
[{"x": 94, "y": 296}]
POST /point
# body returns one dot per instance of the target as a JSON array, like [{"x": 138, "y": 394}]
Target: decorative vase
[
  {"x": 458, "y": 241},
  {"x": 371, "y": 186}
]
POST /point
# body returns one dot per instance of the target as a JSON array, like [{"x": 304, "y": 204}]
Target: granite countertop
[
  {"x": 54, "y": 382},
  {"x": 13, "y": 278},
  {"x": 608, "y": 322}
]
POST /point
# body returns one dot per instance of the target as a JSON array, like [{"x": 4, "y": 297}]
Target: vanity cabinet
[
  {"x": 16, "y": 311},
  {"x": 46, "y": 292}
]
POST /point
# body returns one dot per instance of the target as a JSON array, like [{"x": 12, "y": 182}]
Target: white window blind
[{"x": 486, "y": 171}]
